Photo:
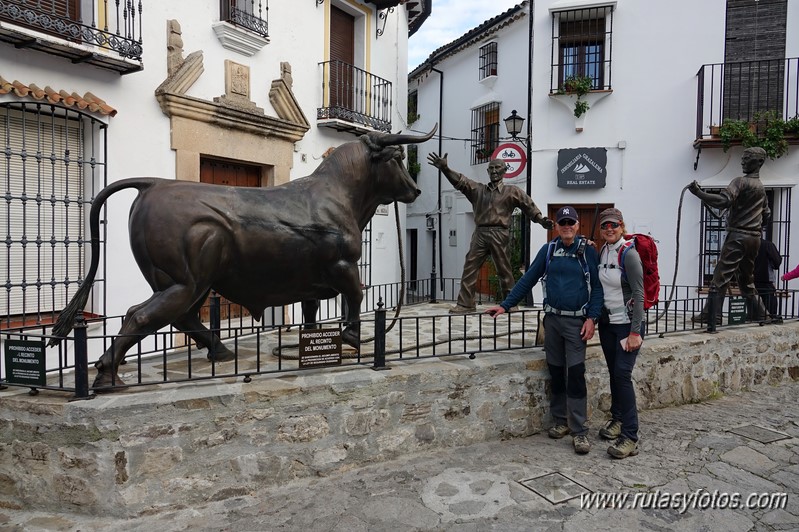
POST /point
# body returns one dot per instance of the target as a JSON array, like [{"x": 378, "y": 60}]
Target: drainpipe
[
  {"x": 438, "y": 207},
  {"x": 526, "y": 230}
]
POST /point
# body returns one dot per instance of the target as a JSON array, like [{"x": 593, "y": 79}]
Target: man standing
[
  {"x": 493, "y": 205},
  {"x": 573, "y": 299},
  {"x": 768, "y": 260},
  {"x": 746, "y": 200}
]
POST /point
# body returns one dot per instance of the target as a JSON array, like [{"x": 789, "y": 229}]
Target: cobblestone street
[{"x": 694, "y": 460}]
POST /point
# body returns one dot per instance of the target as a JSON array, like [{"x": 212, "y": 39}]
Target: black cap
[{"x": 566, "y": 213}]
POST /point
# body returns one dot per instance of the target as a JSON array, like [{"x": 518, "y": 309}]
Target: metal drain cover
[
  {"x": 753, "y": 432},
  {"x": 555, "y": 487}
]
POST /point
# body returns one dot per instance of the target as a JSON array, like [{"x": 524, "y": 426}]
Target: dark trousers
[
  {"x": 565, "y": 352},
  {"x": 486, "y": 241},
  {"x": 620, "y": 367},
  {"x": 768, "y": 294}
]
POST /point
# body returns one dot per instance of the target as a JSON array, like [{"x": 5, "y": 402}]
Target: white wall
[
  {"x": 139, "y": 135},
  {"x": 658, "y": 48}
]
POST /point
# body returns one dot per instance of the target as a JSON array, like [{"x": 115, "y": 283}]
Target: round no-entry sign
[{"x": 514, "y": 157}]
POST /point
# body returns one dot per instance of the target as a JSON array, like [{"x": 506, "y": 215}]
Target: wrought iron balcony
[
  {"x": 63, "y": 28},
  {"x": 353, "y": 99},
  {"x": 252, "y": 15},
  {"x": 746, "y": 91}
]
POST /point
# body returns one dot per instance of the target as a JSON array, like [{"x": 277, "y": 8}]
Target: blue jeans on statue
[{"x": 620, "y": 367}]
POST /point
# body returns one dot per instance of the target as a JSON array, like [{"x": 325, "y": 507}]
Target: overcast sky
[{"x": 449, "y": 20}]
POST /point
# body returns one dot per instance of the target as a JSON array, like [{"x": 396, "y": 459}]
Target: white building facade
[
  {"x": 661, "y": 74},
  {"x": 242, "y": 92}
]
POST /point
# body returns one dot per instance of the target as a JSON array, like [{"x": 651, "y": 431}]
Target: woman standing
[{"x": 620, "y": 331}]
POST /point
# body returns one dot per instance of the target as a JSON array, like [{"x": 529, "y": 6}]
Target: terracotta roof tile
[{"x": 87, "y": 101}]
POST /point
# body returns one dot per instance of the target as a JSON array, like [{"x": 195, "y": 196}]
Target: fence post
[
  {"x": 215, "y": 320},
  {"x": 711, "y": 308},
  {"x": 81, "y": 360},
  {"x": 380, "y": 337}
]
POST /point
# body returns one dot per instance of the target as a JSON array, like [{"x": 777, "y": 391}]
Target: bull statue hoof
[
  {"x": 221, "y": 354},
  {"x": 108, "y": 383},
  {"x": 351, "y": 337}
]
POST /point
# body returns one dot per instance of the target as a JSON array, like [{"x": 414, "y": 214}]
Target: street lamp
[{"x": 514, "y": 124}]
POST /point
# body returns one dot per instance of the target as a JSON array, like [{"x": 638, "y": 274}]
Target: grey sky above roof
[{"x": 451, "y": 20}]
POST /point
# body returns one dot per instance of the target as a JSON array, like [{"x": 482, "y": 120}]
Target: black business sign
[
  {"x": 320, "y": 347},
  {"x": 582, "y": 167},
  {"x": 737, "y": 312},
  {"x": 25, "y": 363}
]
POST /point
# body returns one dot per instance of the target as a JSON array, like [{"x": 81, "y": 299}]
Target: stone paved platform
[{"x": 703, "y": 450}]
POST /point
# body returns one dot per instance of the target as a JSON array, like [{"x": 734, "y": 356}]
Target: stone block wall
[{"x": 173, "y": 446}]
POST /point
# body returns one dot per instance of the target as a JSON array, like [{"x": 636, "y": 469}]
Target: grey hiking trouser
[{"x": 565, "y": 352}]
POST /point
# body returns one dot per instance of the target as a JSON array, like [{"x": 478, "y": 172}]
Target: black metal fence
[
  {"x": 421, "y": 330},
  {"x": 354, "y": 95},
  {"x": 743, "y": 90}
]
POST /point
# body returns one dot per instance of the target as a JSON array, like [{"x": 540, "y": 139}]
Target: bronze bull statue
[{"x": 259, "y": 247}]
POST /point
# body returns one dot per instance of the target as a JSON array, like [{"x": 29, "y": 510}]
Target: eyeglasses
[
  {"x": 566, "y": 222},
  {"x": 609, "y": 225}
]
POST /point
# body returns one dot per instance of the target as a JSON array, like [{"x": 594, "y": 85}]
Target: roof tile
[{"x": 87, "y": 101}]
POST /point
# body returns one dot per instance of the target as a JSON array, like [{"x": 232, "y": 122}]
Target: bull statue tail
[{"x": 66, "y": 319}]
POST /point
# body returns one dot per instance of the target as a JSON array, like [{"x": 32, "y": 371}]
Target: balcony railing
[
  {"x": 252, "y": 15},
  {"x": 743, "y": 90},
  {"x": 353, "y": 97},
  {"x": 82, "y": 37}
]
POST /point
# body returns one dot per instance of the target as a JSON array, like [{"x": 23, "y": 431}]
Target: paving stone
[{"x": 749, "y": 459}]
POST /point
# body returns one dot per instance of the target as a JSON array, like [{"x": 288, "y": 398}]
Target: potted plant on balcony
[
  {"x": 579, "y": 86},
  {"x": 767, "y": 131},
  {"x": 792, "y": 127},
  {"x": 484, "y": 153}
]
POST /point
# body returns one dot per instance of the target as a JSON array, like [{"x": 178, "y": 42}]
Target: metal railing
[
  {"x": 249, "y": 14},
  {"x": 742, "y": 90},
  {"x": 118, "y": 30},
  {"x": 355, "y": 95},
  {"x": 420, "y": 332}
]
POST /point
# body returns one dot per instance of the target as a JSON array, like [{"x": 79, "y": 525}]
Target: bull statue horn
[{"x": 390, "y": 139}]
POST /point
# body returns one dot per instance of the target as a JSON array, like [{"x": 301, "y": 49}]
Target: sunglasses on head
[
  {"x": 610, "y": 225},
  {"x": 566, "y": 222}
]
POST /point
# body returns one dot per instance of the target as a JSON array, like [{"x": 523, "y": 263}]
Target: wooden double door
[{"x": 588, "y": 214}]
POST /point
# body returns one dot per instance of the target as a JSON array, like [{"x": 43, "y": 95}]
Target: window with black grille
[
  {"x": 53, "y": 163},
  {"x": 248, "y": 14},
  {"x": 413, "y": 106},
  {"x": 488, "y": 60},
  {"x": 581, "y": 46},
  {"x": 713, "y": 231},
  {"x": 485, "y": 132}
]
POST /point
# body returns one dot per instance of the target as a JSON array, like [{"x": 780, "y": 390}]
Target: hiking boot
[
  {"x": 558, "y": 431},
  {"x": 611, "y": 430},
  {"x": 458, "y": 309},
  {"x": 623, "y": 447},
  {"x": 581, "y": 444}
]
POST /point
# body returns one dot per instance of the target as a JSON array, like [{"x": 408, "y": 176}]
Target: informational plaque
[
  {"x": 737, "y": 312},
  {"x": 320, "y": 347},
  {"x": 25, "y": 362}
]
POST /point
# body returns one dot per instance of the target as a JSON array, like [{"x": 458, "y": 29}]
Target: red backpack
[{"x": 648, "y": 251}]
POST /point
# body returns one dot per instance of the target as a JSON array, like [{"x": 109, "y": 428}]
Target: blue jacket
[{"x": 566, "y": 288}]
